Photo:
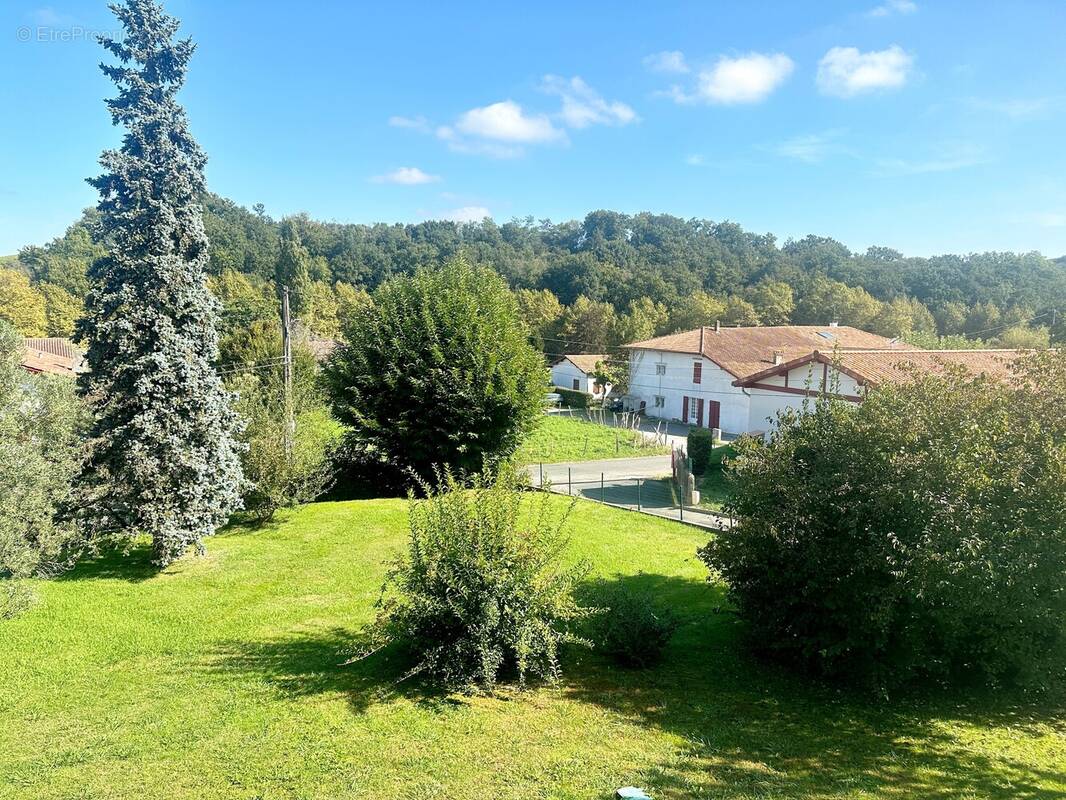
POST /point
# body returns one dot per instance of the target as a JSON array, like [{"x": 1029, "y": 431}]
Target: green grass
[
  {"x": 560, "y": 438},
  {"x": 714, "y": 488},
  {"x": 222, "y": 677}
]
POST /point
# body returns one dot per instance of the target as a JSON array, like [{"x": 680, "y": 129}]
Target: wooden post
[{"x": 286, "y": 343}]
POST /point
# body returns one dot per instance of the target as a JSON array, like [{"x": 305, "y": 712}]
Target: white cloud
[
  {"x": 406, "y": 176},
  {"x": 949, "y": 159},
  {"x": 507, "y": 122},
  {"x": 810, "y": 148},
  {"x": 1016, "y": 108},
  {"x": 845, "y": 72},
  {"x": 696, "y": 160},
  {"x": 744, "y": 79},
  {"x": 583, "y": 106},
  {"x": 891, "y": 7},
  {"x": 672, "y": 61},
  {"x": 418, "y": 123},
  {"x": 467, "y": 214},
  {"x": 1050, "y": 219}
]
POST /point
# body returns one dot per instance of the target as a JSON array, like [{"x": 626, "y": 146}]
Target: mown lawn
[
  {"x": 222, "y": 678},
  {"x": 561, "y": 438},
  {"x": 714, "y": 488}
]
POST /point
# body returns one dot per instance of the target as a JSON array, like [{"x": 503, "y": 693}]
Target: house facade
[
  {"x": 692, "y": 377},
  {"x": 849, "y": 374},
  {"x": 576, "y": 372}
]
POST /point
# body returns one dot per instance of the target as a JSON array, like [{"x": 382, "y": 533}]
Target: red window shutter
[
  {"x": 684, "y": 409},
  {"x": 714, "y": 415},
  {"x": 699, "y": 413},
  {"x": 697, "y": 372}
]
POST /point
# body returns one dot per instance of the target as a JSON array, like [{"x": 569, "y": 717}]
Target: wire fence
[{"x": 661, "y": 496}]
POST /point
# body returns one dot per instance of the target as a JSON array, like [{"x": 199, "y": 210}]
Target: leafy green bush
[
  {"x": 42, "y": 422},
  {"x": 700, "y": 444},
  {"x": 277, "y": 478},
  {"x": 480, "y": 592},
  {"x": 921, "y": 534},
  {"x": 633, "y": 627},
  {"x": 720, "y": 455},
  {"x": 438, "y": 370},
  {"x": 573, "y": 398}
]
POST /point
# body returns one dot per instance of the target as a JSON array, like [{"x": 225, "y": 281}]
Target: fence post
[
  {"x": 601, "y": 489},
  {"x": 569, "y": 483},
  {"x": 541, "y": 486},
  {"x": 681, "y": 503},
  {"x": 638, "y": 494}
]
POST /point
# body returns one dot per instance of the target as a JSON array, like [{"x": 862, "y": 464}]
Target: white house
[
  {"x": 575, "y": 372},
  {"x": 850, "y": 373},
  {"x": 693, "y": 376}
]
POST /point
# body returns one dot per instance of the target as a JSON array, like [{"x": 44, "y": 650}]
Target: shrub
[
  {"x": 480, "y": 592},
  {"x": 41, "y": 426},
  {"x": 720, "y": 455},
  {"x": 438, "y": 370},
  {"x": 633, "y": 627},
  {"x": 274, "y": 477},
  {"x": 700, "y": 444},
  {"x": 921, "y": 534},
  {"x": 574, "y": 398}
]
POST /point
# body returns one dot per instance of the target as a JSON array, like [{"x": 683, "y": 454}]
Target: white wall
[
  {"x": 566, "y": 372},
  {"x": 766, "y": 403},
  {"x": 675, "y": 383}
]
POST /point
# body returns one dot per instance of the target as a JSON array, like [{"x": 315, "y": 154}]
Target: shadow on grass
[
  {"x": 750, "y": 728},
  {"x": 312, "y": 663},
  {"x": 114, "y": 563}
]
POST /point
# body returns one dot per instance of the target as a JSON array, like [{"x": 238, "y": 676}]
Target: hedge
[{"x": 573, "y": 398}]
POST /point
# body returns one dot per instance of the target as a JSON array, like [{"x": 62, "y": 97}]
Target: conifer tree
[
  {"x": 164, "y": 460},
  {"x": 293, "y": 269}
]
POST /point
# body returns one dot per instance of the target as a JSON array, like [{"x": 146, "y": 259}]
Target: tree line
[{"x": 594, "y": 283}]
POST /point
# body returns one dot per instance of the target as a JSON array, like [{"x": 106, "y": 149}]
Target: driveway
[{"x": 640, "y": 484}]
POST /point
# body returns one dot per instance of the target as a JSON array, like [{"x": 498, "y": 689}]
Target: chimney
[
  {"x": 717, "y": 325},
  {"x": 701, "y": 339},
  {"x": 779, "y": 357}
]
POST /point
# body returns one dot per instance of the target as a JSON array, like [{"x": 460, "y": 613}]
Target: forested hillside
[{"x": 590, "y": 284}]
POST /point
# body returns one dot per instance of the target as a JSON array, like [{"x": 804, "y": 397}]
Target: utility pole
[{"x": 286, "y": 343}]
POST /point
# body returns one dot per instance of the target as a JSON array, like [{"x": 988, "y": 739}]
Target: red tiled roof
[
  {"x": 874, "y": 367},
  {"x": 586, "y": 362},
  {"x": 742, "y": 351},
  {"x": 52, "y": 355},
  {"x": 53, "y": 345}
]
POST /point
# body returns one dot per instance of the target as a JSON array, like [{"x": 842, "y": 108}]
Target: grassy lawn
[
  {"x": 714, "y": 489},
  {"x": 221, "y": 678},
  {"x": 560, "y": 438}
]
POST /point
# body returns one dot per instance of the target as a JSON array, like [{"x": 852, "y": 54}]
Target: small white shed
[{"x": 575, "y": 372}]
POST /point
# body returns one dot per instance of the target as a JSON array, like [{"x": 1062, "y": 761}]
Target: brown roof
[
  {"x": 53, "y": 355},
  {"x": 873, "y": 367},
  {"x": 742, "y": 351},
  {"x": 53, "y": 345},
  {"x": 586, "y": 362}
]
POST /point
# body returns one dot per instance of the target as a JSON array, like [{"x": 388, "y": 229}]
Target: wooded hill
[{"x": 658, "y": 270}]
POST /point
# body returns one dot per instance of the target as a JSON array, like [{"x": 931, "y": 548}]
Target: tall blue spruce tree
[{"x": 164, "y": 460}]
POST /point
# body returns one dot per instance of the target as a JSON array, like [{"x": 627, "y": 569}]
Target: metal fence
[{"x": 657, "y": 496}]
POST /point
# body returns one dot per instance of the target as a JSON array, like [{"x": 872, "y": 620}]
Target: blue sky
[{"x": 926, "y": 126}]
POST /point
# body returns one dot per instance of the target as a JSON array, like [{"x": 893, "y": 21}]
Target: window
[
  {"x": 577, "y": 384},
  {"x": 697, "y": 371},
  {"x": 660, "y": 369},
  {"x": 660, "y": 401}
]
